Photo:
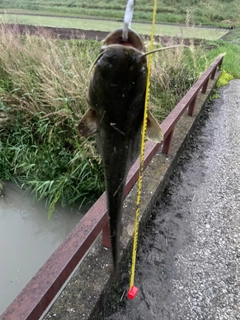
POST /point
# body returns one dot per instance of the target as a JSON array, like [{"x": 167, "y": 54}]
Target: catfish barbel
[{"x": 116, "y": 98}]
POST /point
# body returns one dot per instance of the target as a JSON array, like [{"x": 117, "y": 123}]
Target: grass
[
  {"x": 231, "y": 48},
  {"x": 86, "y": 24},
  {"x": 43, "y": 94},
  {"x": 211, "y": 12},
  {"x": 49, "y": 168},
  {"x": 170, "y": 81},
  {"x": 233, "y": 36}
]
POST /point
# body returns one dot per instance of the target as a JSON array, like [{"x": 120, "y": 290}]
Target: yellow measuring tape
[{"x": 133, "y": 290}]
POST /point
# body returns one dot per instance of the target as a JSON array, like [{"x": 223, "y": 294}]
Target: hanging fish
[{"x": 116, "y": 98}]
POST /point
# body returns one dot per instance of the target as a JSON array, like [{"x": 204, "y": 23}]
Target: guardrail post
[
  {"x": 213, "y": 73},
  {"x": 192, "y": 106},
  {"x": 204, "y": 88},
  {"x": 220, "y": 62},
  {"x": 106, "y": 241},
  {"x": 167, "y": 143}
]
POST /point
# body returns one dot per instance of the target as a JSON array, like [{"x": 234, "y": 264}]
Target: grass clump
[
  {"x": 173, "y": 73},
  {"x": 50, "y": 161},
  {"x": 224, "y": 79},
  {"x": 231, "y": 62},
  {"x": 43, "y": 93}
]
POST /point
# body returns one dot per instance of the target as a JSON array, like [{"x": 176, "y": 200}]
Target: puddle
[{"x": 28, "y": 238}]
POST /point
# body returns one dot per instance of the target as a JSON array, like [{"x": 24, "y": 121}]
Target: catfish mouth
[{"x": 115, "y": 38}]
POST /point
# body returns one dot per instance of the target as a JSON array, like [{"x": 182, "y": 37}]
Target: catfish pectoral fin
[
  {"x": 154, "y": 131},
  {"x": 88, "y": 125}
]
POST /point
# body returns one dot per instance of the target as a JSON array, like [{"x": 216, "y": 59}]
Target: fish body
[{"x": 116, "y": 97}]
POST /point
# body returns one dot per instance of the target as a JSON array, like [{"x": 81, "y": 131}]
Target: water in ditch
[{"x": 27, "y": 238}]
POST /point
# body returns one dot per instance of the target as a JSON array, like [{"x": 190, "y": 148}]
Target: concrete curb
[{"x": 87, "y": 293}]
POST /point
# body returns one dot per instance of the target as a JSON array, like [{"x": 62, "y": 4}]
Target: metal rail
[
  {"x": 188, "y": 101},
  {"x": 31, "y": 303}
]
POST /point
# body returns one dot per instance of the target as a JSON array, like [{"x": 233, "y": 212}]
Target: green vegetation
[
  {"x": 43, "y": 95},
  {"x": 174, "y": 11},
  {"x": 224, "y": 79},
  {"x": 232, "y": 56},
  {"x": 230, "y": 46},
  {"x": 173, "y": 73}
]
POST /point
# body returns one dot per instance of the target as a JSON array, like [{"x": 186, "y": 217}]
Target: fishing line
[{"x": 133, "y": 290}]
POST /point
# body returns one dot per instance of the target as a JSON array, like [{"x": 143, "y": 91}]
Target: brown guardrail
[{"x": 34, "y": 299}]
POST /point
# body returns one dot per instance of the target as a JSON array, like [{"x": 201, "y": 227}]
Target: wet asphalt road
[{"x": 189, "y": 258}]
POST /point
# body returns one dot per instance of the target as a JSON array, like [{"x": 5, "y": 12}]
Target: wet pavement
[
  {"x": 27, "y": 238},
  {"x": 189, "y": 257}
]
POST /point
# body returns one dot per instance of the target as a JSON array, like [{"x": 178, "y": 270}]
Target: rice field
[{"x": 105, "y": 25}]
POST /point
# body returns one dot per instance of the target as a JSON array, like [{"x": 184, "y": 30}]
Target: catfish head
[{"x": 116, "y": 98}]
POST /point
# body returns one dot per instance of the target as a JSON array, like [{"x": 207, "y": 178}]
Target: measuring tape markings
[{"x": 133, "y": 290}]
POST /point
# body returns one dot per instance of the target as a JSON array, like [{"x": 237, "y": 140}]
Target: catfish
[{"x": 116, "y": 98}]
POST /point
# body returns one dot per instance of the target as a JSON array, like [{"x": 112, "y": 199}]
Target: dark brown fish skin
[{"x": 116, "y": 95}]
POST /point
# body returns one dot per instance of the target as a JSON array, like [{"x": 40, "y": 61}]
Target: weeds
[
  {"x": 50, "y": 161},
  {"x": 46, "y": 74},
  {"x": 224, "y": 79},
  {"x": 173, "y": 73},
  {"x": 231, "y": 62},
  {"x": 43, "y": 93}
]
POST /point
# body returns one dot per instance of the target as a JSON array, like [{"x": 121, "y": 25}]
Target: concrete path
[{"x": 189, "y": 260}]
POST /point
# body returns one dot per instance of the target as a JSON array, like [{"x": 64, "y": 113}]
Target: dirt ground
[{"x": 67, "y": 33}]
